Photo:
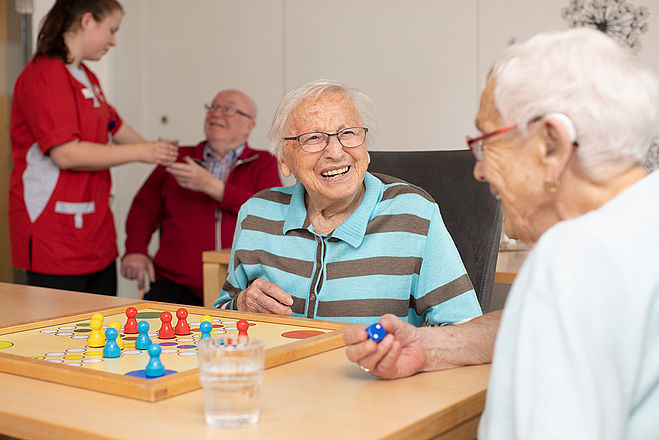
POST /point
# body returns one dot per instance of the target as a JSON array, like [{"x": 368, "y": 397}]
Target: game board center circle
[
  {"x": 301, "y": 334},
  {"x": 5, "y": 344}
]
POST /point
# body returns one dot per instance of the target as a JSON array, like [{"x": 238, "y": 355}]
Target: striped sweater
[{"x": 392, "y": 255}]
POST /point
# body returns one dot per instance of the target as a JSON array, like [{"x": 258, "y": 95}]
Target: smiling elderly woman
[{"x": 342, "y": 244}]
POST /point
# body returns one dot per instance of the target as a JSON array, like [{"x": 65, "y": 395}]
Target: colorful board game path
[{"x": 57, "y": 350}]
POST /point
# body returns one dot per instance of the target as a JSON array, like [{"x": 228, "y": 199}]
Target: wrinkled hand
[
  {"x": 399, "y": 354},
  {"x": 160, "y": 152},
  {"x": 190, "y": 175},
  {"x": 265, "y": 297},
  {"x": 133, "y": 266}
]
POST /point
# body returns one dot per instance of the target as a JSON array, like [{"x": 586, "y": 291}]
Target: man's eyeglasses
[
  {"x": 316, "y": 141},
  {"x": 476, "y": 144},
  {"x": 226, "y": 110}
]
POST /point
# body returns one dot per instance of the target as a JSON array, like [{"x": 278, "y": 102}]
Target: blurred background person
[
  {"x": 62, "y": 228},
  {"x": 194, "y": 202}
]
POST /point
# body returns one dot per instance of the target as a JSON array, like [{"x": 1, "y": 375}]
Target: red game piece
[
  {"x": 182, "y": 327},
  {"x": 166, "y": 330},
  {"x": 131, "y": 324},
  {"x": 242, "y": 327}
]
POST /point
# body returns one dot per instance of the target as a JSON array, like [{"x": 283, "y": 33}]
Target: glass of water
[{"x": 231, "y": 375}]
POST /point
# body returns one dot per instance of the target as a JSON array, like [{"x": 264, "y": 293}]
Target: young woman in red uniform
[{"x": 62, "y": 228}]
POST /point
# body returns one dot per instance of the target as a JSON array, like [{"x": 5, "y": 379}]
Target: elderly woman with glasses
[
  {"x": 342, "y": 244},
  {"x": 567, "y": 119}
]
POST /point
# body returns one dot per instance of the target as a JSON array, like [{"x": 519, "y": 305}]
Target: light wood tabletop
[
  {"x": 322, "y": 396},
  {"x": 508, "y": 264}
]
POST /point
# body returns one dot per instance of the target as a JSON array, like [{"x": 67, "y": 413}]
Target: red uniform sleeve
[
  {"x": 145, "y": 213},
  {"x": 266, "y": 174},
  {"x": 48, "y": 102}
]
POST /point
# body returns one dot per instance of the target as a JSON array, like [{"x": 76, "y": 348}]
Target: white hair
[
  {"x": 313, "y": 91},
  {"x": 582, "y": 73}
]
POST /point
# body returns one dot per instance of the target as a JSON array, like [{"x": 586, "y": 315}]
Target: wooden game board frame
[{"x": 153, "y": 390}]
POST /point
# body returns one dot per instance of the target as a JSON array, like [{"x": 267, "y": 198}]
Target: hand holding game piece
[
  {"x": 242, "y": 327},
  {"x": 376, "y": 332},
  {"x": 207, "y": 318},
  {"x": 115, "y": 325},
  {"x": 143, "y": 341},
  {"x": 205, "y": 328},
  {"x": 155, "y": 367},
  {"x": 182, "y": 327},
  {"x": 398, "y": 354},
  {"x": 166, "y": 330},
  {"x": 111, "y": 349},
  {"x": 130, "y": 327},
  {"x": 96, "y": 338}
]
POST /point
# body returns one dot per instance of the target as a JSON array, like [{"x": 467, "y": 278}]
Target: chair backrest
[{"x": 470, "y": 212}]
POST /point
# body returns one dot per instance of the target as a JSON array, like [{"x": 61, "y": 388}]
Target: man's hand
[
  {"x": 133, "y": 266},
  {"x": 264, "y": 297},
  {"x": 399, "y": 354},
  {"x": 193, "y": 176}
]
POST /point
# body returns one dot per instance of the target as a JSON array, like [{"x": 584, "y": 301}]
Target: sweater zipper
[{"x": 317, "y": 279}]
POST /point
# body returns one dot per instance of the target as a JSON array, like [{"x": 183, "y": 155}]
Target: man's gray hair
[
  {"x": 612, "y": 100},
  {"x": 313, "y": 91}
]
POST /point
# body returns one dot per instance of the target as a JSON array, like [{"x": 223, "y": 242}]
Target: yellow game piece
[
  {"x": 115, "y": 325},
  {"x": 96, "y": 337},
  {"x": 209, "y": 319},
  {"x": 97, "y": 316}
]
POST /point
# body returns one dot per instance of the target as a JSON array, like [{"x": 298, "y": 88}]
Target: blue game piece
[
  {"x": 205, "y": 328},
  {"x": 111, "y": 349},
  {"x": 376, "y": 332},
  {"x": 143, "y": 342},
  {"x": 155, "y": 367}
]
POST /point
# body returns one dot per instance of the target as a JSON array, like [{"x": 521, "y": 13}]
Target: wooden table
[
  {"x": 508, "y": 264},
  {"x": 323, "y": 396}
]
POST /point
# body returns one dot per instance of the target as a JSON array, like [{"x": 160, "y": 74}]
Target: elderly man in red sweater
[{"x": 194, "y": 202}]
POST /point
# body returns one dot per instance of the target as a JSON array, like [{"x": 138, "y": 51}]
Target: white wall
[{"x": 422, "y": 62}]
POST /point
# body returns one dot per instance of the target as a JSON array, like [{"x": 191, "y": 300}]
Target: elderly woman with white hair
[
  {"x": 566, "y": 119},
  {"x": 342, "y": 244}
]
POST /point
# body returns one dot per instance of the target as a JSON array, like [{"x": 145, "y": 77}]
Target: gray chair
[{"x": 470, "y": 212}]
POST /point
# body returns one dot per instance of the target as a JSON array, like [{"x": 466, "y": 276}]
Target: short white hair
[
  {"x": 612, "y": 100},
  {"x": 314, "y": 90}
]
